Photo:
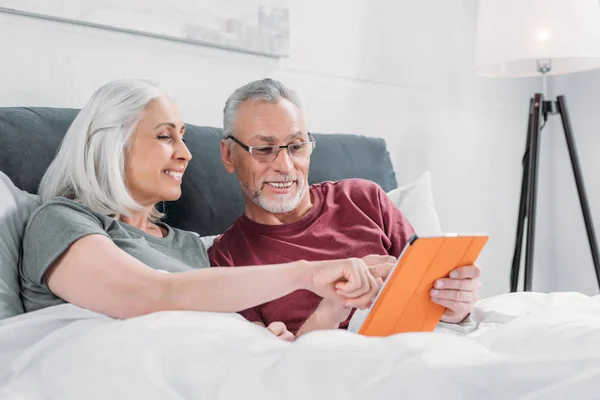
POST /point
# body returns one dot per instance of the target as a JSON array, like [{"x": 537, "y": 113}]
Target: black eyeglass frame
[{"x": 277, "y": 149}]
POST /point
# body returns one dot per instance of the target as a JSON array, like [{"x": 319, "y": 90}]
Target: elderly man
[{"x": 267, "y": 145}]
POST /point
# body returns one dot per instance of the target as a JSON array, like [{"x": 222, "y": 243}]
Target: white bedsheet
[{"x": 516, "y": 346}]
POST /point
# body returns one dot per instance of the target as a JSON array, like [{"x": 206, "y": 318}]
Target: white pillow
[
  {"x": 416, "y": 203},
  {"x": 15, "y": 207},
  {"x": 208, "y": 240}
]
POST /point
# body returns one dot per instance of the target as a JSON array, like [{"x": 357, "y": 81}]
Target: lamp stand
[{"x": 527, "y": 206}]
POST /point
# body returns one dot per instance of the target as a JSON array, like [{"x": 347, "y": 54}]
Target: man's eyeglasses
[{"x": 270, "y": 153}]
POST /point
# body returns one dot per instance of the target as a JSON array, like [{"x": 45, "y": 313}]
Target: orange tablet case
[{"x": 404, "y": 303}]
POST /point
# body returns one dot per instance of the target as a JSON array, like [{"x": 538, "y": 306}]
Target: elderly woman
[{"x": 98, "y": 242}]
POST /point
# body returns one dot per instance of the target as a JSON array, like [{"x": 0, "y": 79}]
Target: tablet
[{"x": 403, "y": 304}]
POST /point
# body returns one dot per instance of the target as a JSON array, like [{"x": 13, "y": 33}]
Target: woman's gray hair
[
  {"x": 90, "y": 164},
  {"x": 267, "y": 89}
]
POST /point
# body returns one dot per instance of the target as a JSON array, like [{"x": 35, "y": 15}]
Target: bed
[{"x": 513, "y": 346}]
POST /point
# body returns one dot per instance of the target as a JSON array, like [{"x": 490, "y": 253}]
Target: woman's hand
[{"x": 351, "y": 282}]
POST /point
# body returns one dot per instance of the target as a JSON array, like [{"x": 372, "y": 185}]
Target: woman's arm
[{"x": 94, "y": 273}]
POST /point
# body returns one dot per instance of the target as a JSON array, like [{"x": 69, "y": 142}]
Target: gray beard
[{"x": 280, "y": 205}]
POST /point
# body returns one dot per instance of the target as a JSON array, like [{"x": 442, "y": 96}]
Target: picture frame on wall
[{"x": 253, "y": 26}]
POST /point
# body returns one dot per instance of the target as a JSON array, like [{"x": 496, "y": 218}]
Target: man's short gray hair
[
  {"x": 90, "y": 165},
  {"x": 268, "y": 90}
]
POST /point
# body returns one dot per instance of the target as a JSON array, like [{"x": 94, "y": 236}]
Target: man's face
[{"x": 276, "y": 185}]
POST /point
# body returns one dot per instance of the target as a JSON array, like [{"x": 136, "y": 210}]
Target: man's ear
[{"x": 226, "y": 156}]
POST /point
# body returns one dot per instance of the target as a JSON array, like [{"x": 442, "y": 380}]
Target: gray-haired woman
[{"x": 97, "y": 241}]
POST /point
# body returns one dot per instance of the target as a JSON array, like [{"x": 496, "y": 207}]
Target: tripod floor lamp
[{"x": 527, "y": 38}]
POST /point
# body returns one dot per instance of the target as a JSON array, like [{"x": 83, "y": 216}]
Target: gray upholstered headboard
[{"x": 211, "y": 198}]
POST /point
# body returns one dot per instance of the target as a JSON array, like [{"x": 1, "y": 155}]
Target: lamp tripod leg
[
  {"x": 516, "y": 262},
  {"x": 585, "y": 208},
  {"x": 532, "y": 190}
]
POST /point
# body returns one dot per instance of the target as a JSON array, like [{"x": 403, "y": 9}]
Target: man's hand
[
  {"x": 279, "y": 330},
  {"x": 458, "y": 293},
  {"x": 332, "y": 312},
  {"x": 329, "y": 314},
  {"x": 351, "y": 282}
]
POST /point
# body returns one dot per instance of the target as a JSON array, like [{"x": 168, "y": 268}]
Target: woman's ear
[{"x": 226, "y": 156}]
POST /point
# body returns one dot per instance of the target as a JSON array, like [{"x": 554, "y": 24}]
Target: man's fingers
[
  {"x": 468, "y": 285},
  {"x": 277, "y": 328},
  {"x": 287, "y": 336},
  {"x": 458, "y": 293},
  {"x": 454, "y": 295},
  {"x": 466, "y": 272},
  {"x": 280, "y": 330},
  {"x": 454, "y": 307}
]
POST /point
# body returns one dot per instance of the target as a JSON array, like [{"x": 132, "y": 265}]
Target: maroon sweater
[{"x": 349, "y": 218}]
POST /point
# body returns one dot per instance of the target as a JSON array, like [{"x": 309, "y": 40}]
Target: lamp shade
[{"x": 513, "y": 34}]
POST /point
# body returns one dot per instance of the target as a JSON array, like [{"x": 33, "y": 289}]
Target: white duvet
[{"x": 516, "y": 346}]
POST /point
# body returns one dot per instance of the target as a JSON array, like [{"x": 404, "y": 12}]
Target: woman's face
[{"x": 157, "y": 156}]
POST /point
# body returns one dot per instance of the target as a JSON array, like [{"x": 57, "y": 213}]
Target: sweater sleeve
[{"x": 219, "y": 256}]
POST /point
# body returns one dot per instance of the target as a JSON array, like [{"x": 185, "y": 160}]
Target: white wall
[
  {"x": 573, "y": 269},
  {"x": 398, "y": 69}
]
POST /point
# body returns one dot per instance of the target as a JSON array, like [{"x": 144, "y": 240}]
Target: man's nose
[{"x": 283, "y": 162}]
